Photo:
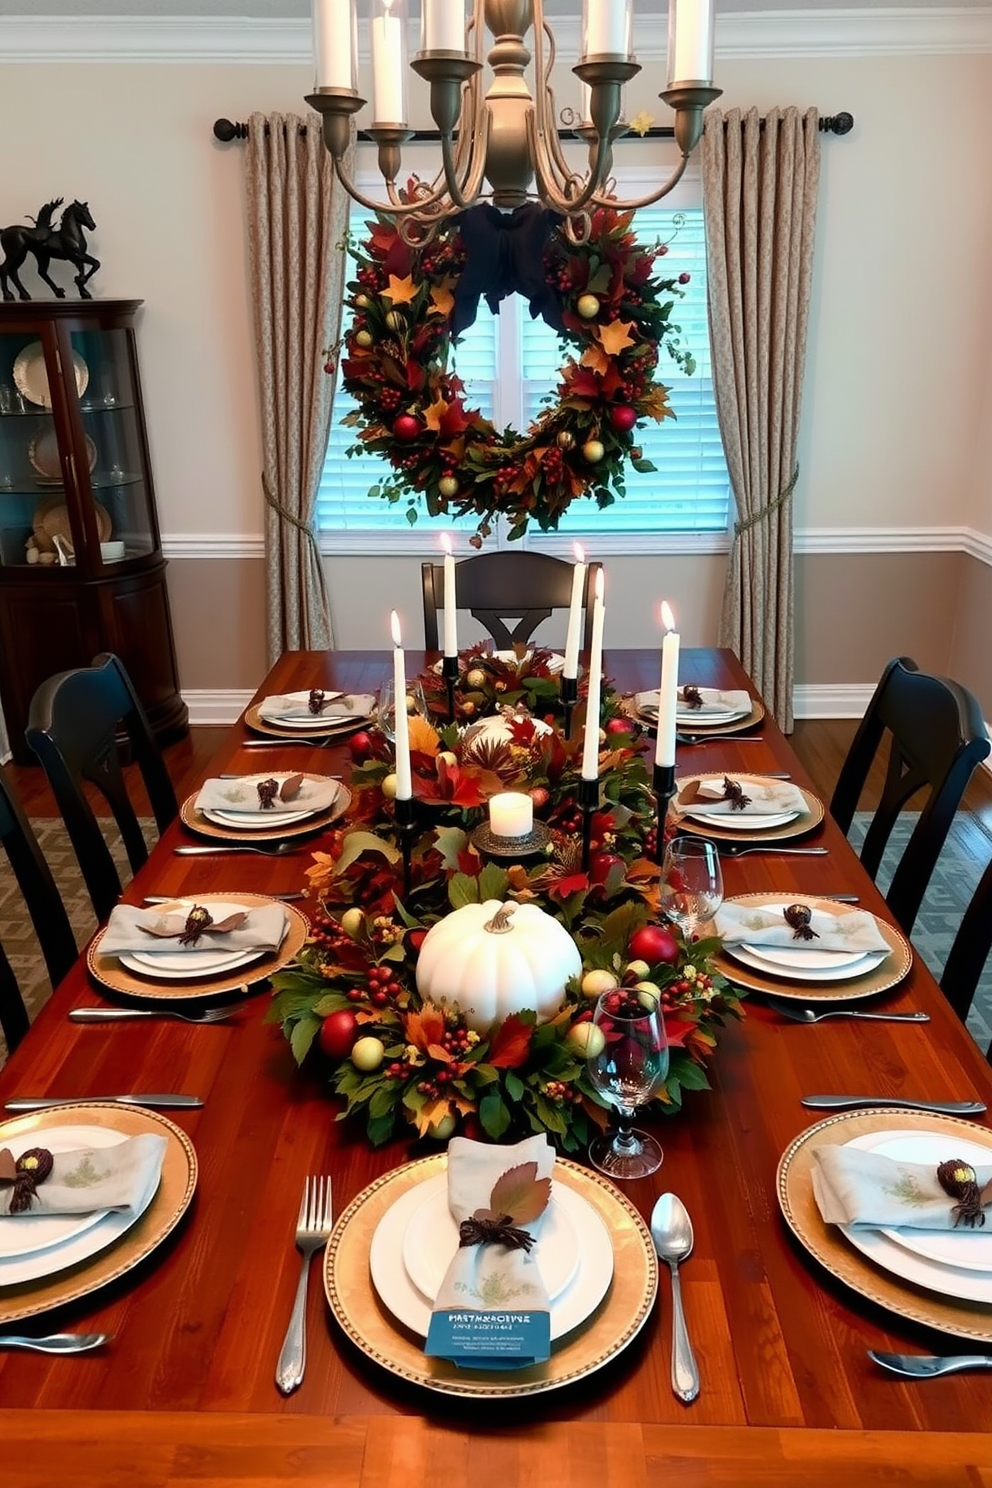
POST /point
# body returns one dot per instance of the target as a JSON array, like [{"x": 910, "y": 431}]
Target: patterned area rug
[{"x": 959, "y": 867}]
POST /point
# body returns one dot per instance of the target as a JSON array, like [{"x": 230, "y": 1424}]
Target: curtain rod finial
[{"x": 225, "y": 131}]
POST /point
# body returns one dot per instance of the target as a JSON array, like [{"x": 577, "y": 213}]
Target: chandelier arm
[
  {"x": 644, "y": 201},
  {"x": 391, "y": 208},
  {"x": 545, "y": 105},
  {"x": 568, "y": 206},
  {"x": 464, "y": 193}
]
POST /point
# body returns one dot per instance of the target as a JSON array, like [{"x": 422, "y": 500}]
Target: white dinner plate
[
  {"x": 967, "y": 1250},
  {"x": 576, "y": 1303},
  {"x": 740, "y": 821},
  {"x": 108, "y": 1227},
  {"x": 252, "y": 820},
  {"x": 892, "y": 1254},
  {"x": 807, "y": 957},
  {"x": 25, "y": 1235},
  {"x": 431, "y": 1239},
  {"x": 190, "y": 966},
  {"x": 868, "y": 963}
]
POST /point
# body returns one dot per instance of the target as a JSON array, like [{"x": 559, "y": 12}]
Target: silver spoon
[
  {"x": 55, "y": 1343},
  {"x": 671, "y": 1231},
  {"x": 720, "y": 739},
  {"x": 124, "y": 1015},
  {"x": 277, "y": 850},
  {"x": 807, "y": 1015},
  {"x": 926, "y": 1366}
]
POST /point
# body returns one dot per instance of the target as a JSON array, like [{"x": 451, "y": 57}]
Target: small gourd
[{"x": 493, "y": 959}]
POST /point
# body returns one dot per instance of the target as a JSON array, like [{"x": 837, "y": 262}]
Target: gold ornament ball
[
  {"x": 442, "y": 1127},
  {"x": 586, "y": 1040},
  {"x": 588, "y": 306},
  {"x": 593, "y": 451},
  {"x": 388, "y": 787},
  {"x": 395, "y": 321},
  {"x": 368, "y": 1054},
  {"x": 469, "y": 709},
  {"x": 566, "y": 440},
  {"x": 595, "y": 983},
  {"x": 476, "y": 677},
  {"x": 353, "y": 922},
  {"x": 362, "y": 302},
  {"x": 449, "y": 758},
  {"x": 448, "y": 485},
  {"x": 364, "y": 338}
]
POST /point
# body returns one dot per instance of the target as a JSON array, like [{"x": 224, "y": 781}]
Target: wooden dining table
[{"x": 184, "y": 1392}]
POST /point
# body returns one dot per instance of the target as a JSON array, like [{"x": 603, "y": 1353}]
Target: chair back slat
[{"x": 495, "y": 587}]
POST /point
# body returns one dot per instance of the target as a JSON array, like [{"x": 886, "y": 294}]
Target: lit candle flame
[
  {"x": 394, "y": 625},
  {"x": 667, "y": 618},
  {"x": 446, "y": 543},
  {"x": 580, "y": 556}
]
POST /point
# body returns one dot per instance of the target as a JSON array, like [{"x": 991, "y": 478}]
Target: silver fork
[
  {"x": 123, "y": 1015},
  {"x": 313, "y": 1228},
  {"x": 808, "y": 1015}
]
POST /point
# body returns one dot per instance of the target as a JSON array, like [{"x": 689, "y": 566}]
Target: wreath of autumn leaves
[{"x": 447, "y": 458}]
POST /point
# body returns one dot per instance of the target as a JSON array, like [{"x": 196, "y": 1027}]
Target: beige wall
[{"x": 897, "y": 417}]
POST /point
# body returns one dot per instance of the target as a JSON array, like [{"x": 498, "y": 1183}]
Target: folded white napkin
[
  {"x": 92, "y": 1178},
  {"x": 846, "y": 930},
  {"x": 316, "y": 793},
  {"x": 128, "y": 930},
  {"x": 869, "y": 1191},
  {"x": 764, "y": 798},
  {"x": 492, "y": 1277},
  {"x": 714, "y": 702},
  {"x": 336, "y": 706}
]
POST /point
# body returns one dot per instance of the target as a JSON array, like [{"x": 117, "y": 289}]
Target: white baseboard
[{"x": 215, "y": 705}]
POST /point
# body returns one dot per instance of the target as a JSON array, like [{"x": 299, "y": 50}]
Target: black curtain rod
[{"x": 225, "y": 130}]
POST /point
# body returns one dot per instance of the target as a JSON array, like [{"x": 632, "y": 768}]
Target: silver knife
[
  {"x": 40, "y": 1102},
  {"x": 187, "y": 899},
  {"x": 852, "y": 1102},
  {"x": 928, "y": 1366}
]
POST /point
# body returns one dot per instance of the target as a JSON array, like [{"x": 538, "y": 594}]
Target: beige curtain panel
[
  {"x": 297, "y": 220},
  {"x": 759, "y": 198}
]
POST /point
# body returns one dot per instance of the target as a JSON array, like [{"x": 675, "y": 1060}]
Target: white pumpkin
[{"x": 494, "y": 959}]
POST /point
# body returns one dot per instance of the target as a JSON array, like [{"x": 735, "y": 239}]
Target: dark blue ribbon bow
[{"x": 504, "y": 255}]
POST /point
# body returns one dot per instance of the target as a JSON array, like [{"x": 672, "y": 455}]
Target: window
[{"x": 687, "y": 494}]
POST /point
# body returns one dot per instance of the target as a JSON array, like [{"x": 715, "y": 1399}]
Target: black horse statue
[{"x": 47, "y": 242}]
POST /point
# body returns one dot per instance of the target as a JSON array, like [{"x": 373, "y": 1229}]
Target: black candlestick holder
[
  {"x": 449, "y": 671},
  {"x": 405, "y": 812},
  {"x": 569, "y": 697},
  {"x": 588, "y": 794},
  {"x": 664, "y": 789}
]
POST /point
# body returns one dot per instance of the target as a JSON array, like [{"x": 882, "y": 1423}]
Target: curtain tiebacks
[
  {"x": 308, "y": 532},
  {"x": 765, "y": 511}
]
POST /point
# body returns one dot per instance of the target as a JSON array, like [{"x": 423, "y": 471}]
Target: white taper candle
[
  {"x": 574, "y": 633},
  {"x": 388, "y": 44},
  {"x": 668, "y": 693},
  {"x": 335, "y": 44},
  {"x": 590, "y": 741},
  {"x": 404, "y": 778},
  {"x": 450, "y": 602}
]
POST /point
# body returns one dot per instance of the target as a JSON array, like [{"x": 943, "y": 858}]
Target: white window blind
[{"x": 688, "y": 492}]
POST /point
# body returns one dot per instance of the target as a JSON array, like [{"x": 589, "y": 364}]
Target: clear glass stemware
[
  {"x": 416, "y": 703},
  {"x": 628, "y": 1063},
  {"x": 691, "y": 883}
]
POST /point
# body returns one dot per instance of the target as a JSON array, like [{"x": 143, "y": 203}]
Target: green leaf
[
  {"x": 383, "y": 1100},
  {"x": 492, "y": 882},
  {"x": 643, "y": 467},
  {"x": 463, "y": 890},
  {"x": 380, "y": 1128},
  {"x": 494, "y": 1115},
  {"x": 450, "y": 842},
  {"x": 302, "y": 1037},
  {"x": 520, "y": 1193},
  {"x": 514, "y": 1086},
  {"x": 356, "y": 843}
]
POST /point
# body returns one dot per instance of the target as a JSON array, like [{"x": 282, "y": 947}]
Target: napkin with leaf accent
[
  {"x": 89, "y": 1178},
  {"x": 869, "y": 1191},
  {"x": 168, "y": 931},
  {"x": 723, "y": 795},
  {"x": 327, "y": 707},
  {"x": 738, "y": 923},
  {"x": 712, "y": 702},
  {"x": 492, "y": 1309},
  {"x": 292, "y": 794}
]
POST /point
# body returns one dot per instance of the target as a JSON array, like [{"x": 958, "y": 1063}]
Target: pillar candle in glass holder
[
  {"x": 511, "y": 814},
  {"x": 668, "y": 693},
  {"x": 590, "y": 742},
  {"x": 444, "y": 25},
  {"x": 335, "y": 44},
  {"x": 404, "y": 779},
  {"x": 606, "y": 28},
  {"x": 387, "y": 35},
  {"x": 690, "y": 41},
  {"x": 450, "y": 603},
  {"x": 571, "y": 667}
]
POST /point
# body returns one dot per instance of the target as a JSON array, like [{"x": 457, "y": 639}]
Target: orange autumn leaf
[
  {"x": 401, "y": 291},
  {"x": 616, "y": 336},
  {"x": 426, "y": 1027},
  {"x": 423, "y": 737},
  {"x": 655, "y": 404},
  {"x": 442, "y": 300},
  {"x": 435, "y": 413},
  {"x": 510, "y": 1043},
  {"x": 435, "y": 1110},
  {"x": 596, "y": 358}
]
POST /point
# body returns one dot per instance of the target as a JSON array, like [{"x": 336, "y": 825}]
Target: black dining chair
[
  {"x": 44, "y": 905},
  {"x": 970, "y": 950},
  {"x": 74, "y": 725},
  {"x": 937, "y": 737},
  {"x": 497, "y": 587}
]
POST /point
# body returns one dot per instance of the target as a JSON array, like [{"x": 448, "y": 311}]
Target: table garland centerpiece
[
  {"x": 590, "y": 279},
  {"x": 500, "y": 1065}
]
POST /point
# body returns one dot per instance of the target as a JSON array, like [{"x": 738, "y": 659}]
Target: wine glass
[
  {"x": 416, "y": 703},
  {"x": 691, "y": 883},
  {"x": 627, "y": 1063}
]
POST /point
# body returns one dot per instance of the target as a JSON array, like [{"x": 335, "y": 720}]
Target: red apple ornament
[
  {"x": 337, "y": 1034},
  {"x": 623, "y": 417},
  {"x": 360, "y": 745},
  {"x": 653, "y": 943},
  {"x": 406, "y": 426}
]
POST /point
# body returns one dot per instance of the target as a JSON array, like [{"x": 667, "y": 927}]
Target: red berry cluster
[
  {"x": 569, "y": 815},
  {"x": 455, "y": 1041},
  {"x": 327, "y": 934},
  {"x": 382, "y": 985},
  {"x": 625, "y": 1003}
]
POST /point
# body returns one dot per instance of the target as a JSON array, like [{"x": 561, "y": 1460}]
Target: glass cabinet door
[{"x": 31, "y": 470}]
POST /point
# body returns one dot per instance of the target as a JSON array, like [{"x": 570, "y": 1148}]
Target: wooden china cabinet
[{"x": 81, "y": 566}]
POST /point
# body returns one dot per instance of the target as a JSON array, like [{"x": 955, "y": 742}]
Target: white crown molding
[
  {"x": 825, "y": 540},
  {"x": 861, "y": 31},
  {"x": 215, "y": 705}
]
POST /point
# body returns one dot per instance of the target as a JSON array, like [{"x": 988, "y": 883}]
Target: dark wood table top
[{"x": 186, "y": 1388}]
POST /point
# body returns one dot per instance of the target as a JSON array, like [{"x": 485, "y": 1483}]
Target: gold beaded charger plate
[
  {"x": 108, "y": 971},
  {"x": 31, "y": 375},
  {"x": 611, "y": 1328},
  {"x": 318, "y": 729},
  {"x": 827, "y": 1244},
  {"x": 295, "y": 826},
  {"x": 796, "y": 826},
  {"x": 139, "y": 1238},
  {"x": 43, "y": 452},
  {"x": 807, "y": 987}
]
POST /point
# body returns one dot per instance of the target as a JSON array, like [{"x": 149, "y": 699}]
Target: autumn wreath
[{"x": 410, "y": 301}]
